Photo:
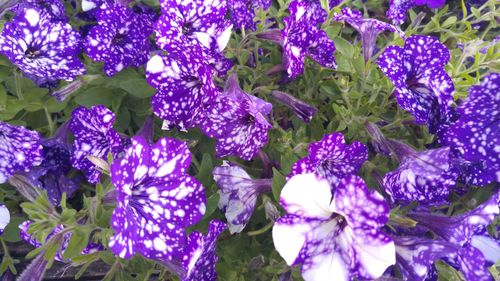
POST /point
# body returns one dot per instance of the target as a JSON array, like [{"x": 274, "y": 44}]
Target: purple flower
[
  {"x": 237, "y": 120},
  {"x": 94, "y": 136},
  {"x": 331, "y": 159},
  {"x": 120, "y": 39},
  {"x": 243, "y": 12},
  {"x": 199, "y": 23},
  {"x": 368, "y": 29},
  {"x": 422, "y": 86},
  {"x": 489, "y": 246},
  {"x": 156, "y": 198},
  {"x": 416, "y": 255},
  {"x": 398, "y": 8},
  {"x": 333, "y": 234},
  {"x": 20, "y": 150},
  {"x": 199, "y": 258},
  {"x": 50, "y": 175},
  {"x": 473, "y": 264},
  {"x": 300, "y": 38},
  {"x": 55, "y": 8},
  {"x": 184, "y": 83},
  {"x": 474, "y": 136},
  {"x": 4, "y": 217},
  {"x": 304, "y": 111},
  {"x": 30, "y": 239},
  {"x": 460, "y": 229},
  {"x": 42, "y": 47},
  {"x": 238, "y": 194},
  {"x": 313, "y": 11}
]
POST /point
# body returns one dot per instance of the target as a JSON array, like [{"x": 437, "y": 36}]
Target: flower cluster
[{"x": 398, "y": 8}]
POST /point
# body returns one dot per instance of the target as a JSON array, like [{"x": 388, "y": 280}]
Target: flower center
[
  {"x": 32, "y": 53},
  {"x": 249, "y": 119},
  {"x": 187, "y": 28},
  {"x": 118, "y": 39}
]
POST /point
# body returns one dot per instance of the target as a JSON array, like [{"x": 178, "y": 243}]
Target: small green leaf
[
  {"x": 78, "y": 241},
  {"x": 278, "y": 183},
  {"x": 212, "y": 203},
  {"x": 137, "y": 87},
  {"x": 343, "y": 46}
]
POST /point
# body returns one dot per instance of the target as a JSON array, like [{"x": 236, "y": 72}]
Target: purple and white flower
[
  {"x": 156, "y": 198},
  {"x": 238, "y": 194},
  {"x": 201, "y": 23},
  {"x": 94, "y": 136},
  {"x": 243, "y": 12},
  {"x": 43, "y": 48},
  {"x": 120, "y": 39},
  {"x": 398, "y": 8},
  {"x": 368, "y": 29},
  {"x": 301, "y": 39},
  {"x": 422, "y": 86},
  {"x": 332, "y": 159},
  {"x": 302, "y": 110},
  {"x": 313, "y": 11},
  {"x": 20, "y": 150},
  {"x": 474, "y": 136},
  {"x": 460, "y": 229},
  {"x": 55, "y": 8},
  {"x": 200, "y": 257},
  {"x": 4, "y": 217},
  {"x": 237, "y": 120},
  {"x": 184, "y": 83},
  {"x": 335, "y": 234}
]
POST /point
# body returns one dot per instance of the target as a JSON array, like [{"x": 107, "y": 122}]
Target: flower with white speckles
[
  {"x": 4, "y": 217},
  {"x": 422, "y": 86},
  {"x": 237, "y": 120},
  {"x": 331, "y": 158},
  {"x": 185, "y": 85},
  {"x": 368, "y": 29},
  {"x": 475, "y": 135},
  {"x": 94, "y": 136},
  {"x": 20, "y": 150},
  {"x": 43, "y": 48},
  {"x": 55, "y": 8},
  {"x": 398, "y": 8},
  {"x": 200, "y": 257},
  {"x": 243, "y": 12},
  {"x": 335, "y": 234},
  {"x": 156, "y": 198},
  {"x": 120, "y": 39},
  {"x": 238, "y": 194}
]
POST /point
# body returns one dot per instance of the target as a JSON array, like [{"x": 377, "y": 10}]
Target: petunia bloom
[
  {"x": 331, "y": 158},
  {"x": 333, "y": 234},
  {"x": 200, "y": 257},
  {"x": 184, "y": 83},
  {"x": 156, "y": 198},
  {"x": 237, "y": 120},
  {"x": 461, "y": 228},
  {"x": 474, "y": 136},
  {"x": 238, "y": 194},
  {"x": 313, "y": 11},
  {"x": 120, "y": 39},
  {"x": 50, "y": 175},
  {"x": 43, "y": 48},
  {"x": 301, "y": 39},
  {"x": 94, "y": 136},
  {"x": 302, "y": 110},
  {"x": 368, "y": 29},
  {"x": 422, "y": 86},
  {"x": 20, "y": 150},
  {"x": 55, "y": 8},
  {"x": 4, "y": 217},
  {"x": 398, "y": 8},
  {"x": 242, "y": 12},
  {"x": 199, "y": 23}
]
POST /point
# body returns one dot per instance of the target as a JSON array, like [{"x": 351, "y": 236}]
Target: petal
[{"x": 4, "y": 217}]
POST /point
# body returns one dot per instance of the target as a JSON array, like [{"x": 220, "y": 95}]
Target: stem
[
  {"x": 50, "y": 121},
  {"x": 262, "y": 230},
  {"x": 19, "y": 91}
]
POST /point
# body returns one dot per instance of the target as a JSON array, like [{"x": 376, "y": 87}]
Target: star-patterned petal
[
  {"x": 43, "y": 48},
  {"x": 20, "y": 150},
  {"x": 156, "y": 199},
  {"x": 398, "y": 8},
  {"x": 94, "y": 136},
  {"x": 4, "y": 217}
]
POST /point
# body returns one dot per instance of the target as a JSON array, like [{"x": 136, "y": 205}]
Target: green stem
[
  {"x": 50, "y": 121},
  {"x": 262, "y": 230},
  {"x": 19, "y": 91}
]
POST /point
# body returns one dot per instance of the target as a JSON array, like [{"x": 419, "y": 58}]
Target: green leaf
[
  {"x": 206, "y": 167},
  {"x": 449, "y": 21},
  {"x": 447, "y": 272},
  {"x": 343, "y": 46},
  {"x": 78, "y": 241},
  {"x": 11, "y": 231},
  {"x": 278, "y": 183},
  {"x": 93, "y": 96},
  {"x": 212, "y": 203},
  {"x": 137, "y": 87}
]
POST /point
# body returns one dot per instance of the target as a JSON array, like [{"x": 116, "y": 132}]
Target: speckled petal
[{"x": 4, "y": 217}]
